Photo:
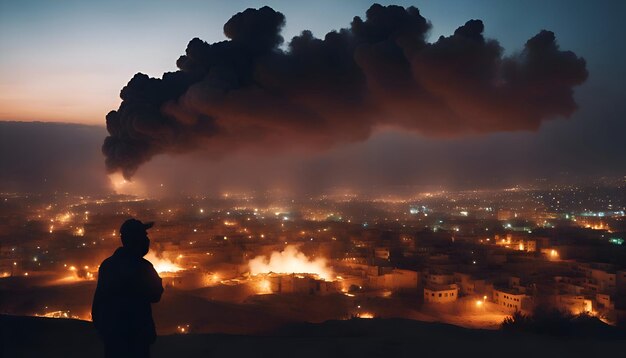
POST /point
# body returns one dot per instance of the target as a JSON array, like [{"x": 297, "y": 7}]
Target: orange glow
[
  {"x": 63, "y": 218},
  {"x": 600, "y": 226},
  {"x": 183, "y": 329},
  {"x": 264, "y": 287},
  {"x": 125, "y": 187},
  {"x": 290, "y": 260},
  {"x": 212, "y": 279},
  {"x": 162, "y": 265},
  {"x": 58, "y": 314}
]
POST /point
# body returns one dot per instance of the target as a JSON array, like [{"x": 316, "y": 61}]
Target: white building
[
  {"x": 512, "y": 300},
  {"x": 441, "y": 293},
  {"x": 600, "y": 276}
]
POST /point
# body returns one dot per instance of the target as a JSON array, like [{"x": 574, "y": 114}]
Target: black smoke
[{"x": 250, "y": 92}]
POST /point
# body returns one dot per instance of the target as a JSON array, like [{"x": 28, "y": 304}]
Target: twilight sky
[{"x": 67, "y": 62}]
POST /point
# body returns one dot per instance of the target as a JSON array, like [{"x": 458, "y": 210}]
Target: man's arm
[
  {"x": 151, "y": 283},
  {"x": 99, "y": 297}
]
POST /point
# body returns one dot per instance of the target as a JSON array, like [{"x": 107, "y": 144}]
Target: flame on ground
[
  {"x": 288, "y": 261},
  {"x": 264, "y": 287},
  {"x": 162, "y": 265}
]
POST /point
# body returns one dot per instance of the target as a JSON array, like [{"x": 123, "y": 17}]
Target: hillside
[{"x": 41, "y": 337}]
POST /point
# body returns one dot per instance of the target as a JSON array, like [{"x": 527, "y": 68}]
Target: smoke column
[
  {"x": 251, "y": 92},
  {"x": 289, "y": 261}
]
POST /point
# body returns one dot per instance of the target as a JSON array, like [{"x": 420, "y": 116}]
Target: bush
[
  {"x": 554, "y": 322},
  {"x": 517, "y": 322},
  {"x": 542, "y": 321}
]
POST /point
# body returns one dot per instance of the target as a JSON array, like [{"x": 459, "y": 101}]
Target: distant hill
[
  {"x": 45, "y": 157},
  {"x": 44, "y": 337}
]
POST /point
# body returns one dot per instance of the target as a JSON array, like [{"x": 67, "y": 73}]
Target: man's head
[{"x": 135, "y": 237}]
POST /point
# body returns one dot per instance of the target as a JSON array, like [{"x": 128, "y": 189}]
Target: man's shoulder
[
  {"x": 117, "y": 260},
  {"x": 146, "y": 263},
  {"x": 107, "y": 263}
]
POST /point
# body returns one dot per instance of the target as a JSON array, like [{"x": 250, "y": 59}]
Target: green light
[{"x": 616, "y": 240}]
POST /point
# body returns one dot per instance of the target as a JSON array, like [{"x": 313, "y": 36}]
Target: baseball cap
[{"x": 132, "y": 226}]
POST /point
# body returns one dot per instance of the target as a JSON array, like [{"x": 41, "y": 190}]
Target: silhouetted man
[{"x": 127, "y": 285}]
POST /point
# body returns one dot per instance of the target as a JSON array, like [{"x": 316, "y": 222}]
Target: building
[
  {"x": 382, "y": 253},
  {"x": 600, "y": 278},
  {"x": 441, "y": 293},
  {"x": 300, "y": 283},
  {"x": 187, "y": 280},
  {"x": 570, "y": 285},
  {"x": 396, "y": 280},
  {"x": 511, "y": 299},
  {"x": 620, "y": 282},
  {"x": 469, "y": 286},
  {"x": 575, "y": 304},
  {"x": 438, "y": 278},
  {"x": 605, "y": 301}
]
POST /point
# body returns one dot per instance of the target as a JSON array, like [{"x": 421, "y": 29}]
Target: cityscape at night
[
  {"x": 249, "y": 263},
  {"x": 342, "y": 178}
]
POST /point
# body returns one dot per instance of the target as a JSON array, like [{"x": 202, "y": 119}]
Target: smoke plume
[
  {"x": 251, "y": 92},
  {"x": 289, "y": 261}
]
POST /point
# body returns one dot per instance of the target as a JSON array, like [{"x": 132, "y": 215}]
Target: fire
[
  {"x": 288, "y": 261},
  {"x": 126, "y": 187},
  {"x": 162, "y": 265},
  {"x": 264, "y": 287},
  {"x": 58, "y": 314},
  {"x": 64, "y": 218}
]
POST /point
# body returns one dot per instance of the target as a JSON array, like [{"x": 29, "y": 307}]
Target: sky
[{"x": 67, "y": 61}]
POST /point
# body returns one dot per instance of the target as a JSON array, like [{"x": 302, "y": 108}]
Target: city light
[{"x": 214, "y": 257}]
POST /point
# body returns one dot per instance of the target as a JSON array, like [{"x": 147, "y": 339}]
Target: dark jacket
[{"x": 121, "y": 309}]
